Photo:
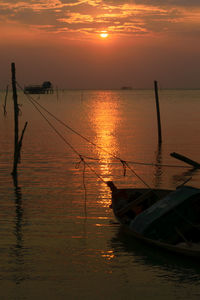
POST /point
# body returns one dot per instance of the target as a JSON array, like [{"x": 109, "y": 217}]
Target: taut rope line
[
  {"x": 92, "y": 143},
  {"x": 72, "y": 148},
  {"x": 124, "y": 163}
]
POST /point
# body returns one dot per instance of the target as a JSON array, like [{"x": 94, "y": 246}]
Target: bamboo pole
[{"x": 158, "y": 113}]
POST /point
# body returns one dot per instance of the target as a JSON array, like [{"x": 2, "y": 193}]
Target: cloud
[
  {"x": 117, "y": 16},
  {"x": 159, "y": 3}
]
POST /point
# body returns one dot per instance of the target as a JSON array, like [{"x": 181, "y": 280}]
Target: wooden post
[
  {"x": 16, "y": 125},
  {"x": 20, "y": 141},
  {"x": 17, "y": 142},
  {"x": 4, "y": 107},
  {"x": 158, "y": 112}
]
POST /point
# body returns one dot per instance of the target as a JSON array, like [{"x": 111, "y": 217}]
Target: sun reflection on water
[
  {"x": 105, "y": 120},
  {"x": 108, "y": 255}
]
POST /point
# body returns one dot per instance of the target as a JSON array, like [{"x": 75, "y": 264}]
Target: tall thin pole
[
  {"x": 16, "y": 126},
  {"x": 158, "y": 112},
  {"x": 4, "y": 107}
]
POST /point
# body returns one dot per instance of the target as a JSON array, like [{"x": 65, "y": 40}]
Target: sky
[{"x": 60, "y": 41}]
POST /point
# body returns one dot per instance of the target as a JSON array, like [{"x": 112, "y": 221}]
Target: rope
[
  {"x": 92, "y": 143},
  {"x": 57, "y": 132},
  {"x": 84, "y": 184},
  {"x": 67, "y": 126},
  {"x": 82, "y": 160},
  {"x": 125, "y": 164},
  {"x": 157, "y": 165}
]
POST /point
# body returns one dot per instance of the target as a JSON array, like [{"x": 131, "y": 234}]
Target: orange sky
[{"x": 59, "y": 40}]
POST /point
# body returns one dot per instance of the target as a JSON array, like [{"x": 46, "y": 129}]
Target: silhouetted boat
[
  {"x": 45, "y": 88},
  {"x": 168, "y": 219}
]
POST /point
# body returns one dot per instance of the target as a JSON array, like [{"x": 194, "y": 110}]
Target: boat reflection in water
[{"x": 163, "y": 264}]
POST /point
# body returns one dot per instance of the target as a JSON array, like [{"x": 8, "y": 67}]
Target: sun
[{"x": 103, "y": 34}]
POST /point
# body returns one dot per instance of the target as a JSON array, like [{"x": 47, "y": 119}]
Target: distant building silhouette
[
  {"x": 45, "y": 88},
  {"x": 126, "y": 88}
]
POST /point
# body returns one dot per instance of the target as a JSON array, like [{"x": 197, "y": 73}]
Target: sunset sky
[{"x": 101, "y": 44}]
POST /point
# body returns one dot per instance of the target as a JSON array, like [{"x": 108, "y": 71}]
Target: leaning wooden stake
[
  {"x": 187, "y": 160},
  {"x": 20, "y": 142},
  {"x": 158, "y": 112},
  {"x": 17, "y": 142}
]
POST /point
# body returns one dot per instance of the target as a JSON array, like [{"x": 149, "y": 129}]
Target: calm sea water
[{"x": 61, "y": 241}]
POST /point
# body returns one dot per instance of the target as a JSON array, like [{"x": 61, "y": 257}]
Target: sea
[{"x": 59, "y": 238}]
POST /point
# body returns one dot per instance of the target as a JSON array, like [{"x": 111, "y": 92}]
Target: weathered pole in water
[
  {"x": 17, "y": 141},
  {"x": 158, "y": 113},
  {"x": 16, "y": 124},
  {"x": 5, "y": 101}
]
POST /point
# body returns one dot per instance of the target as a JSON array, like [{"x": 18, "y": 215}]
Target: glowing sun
[{"x": 104, "y": 34}]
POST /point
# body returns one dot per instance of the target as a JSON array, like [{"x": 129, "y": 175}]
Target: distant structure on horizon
[
  {"x": 126, "y": 88},
  {"x": 45, "y": 88}
]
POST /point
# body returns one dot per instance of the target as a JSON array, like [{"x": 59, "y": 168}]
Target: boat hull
[
  {"x": 125, "y": 203},
  {"x": 190, "y": 251}
]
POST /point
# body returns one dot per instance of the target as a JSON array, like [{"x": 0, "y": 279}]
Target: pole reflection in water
[
  {"x": 158, "y": 168},
  {"x": 105, "y": 120},
  {"x": 181, "y": 178},
  {"x": 18, "y": 248}
]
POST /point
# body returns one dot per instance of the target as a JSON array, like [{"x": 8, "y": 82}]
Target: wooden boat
[{"x": 169, "y": 219}]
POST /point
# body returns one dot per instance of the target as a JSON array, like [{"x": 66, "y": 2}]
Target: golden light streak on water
[
  {"x": 48, "y": 247},
  {"x": 108, "y": 255},
  {"x": 105, "y": 120}
]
